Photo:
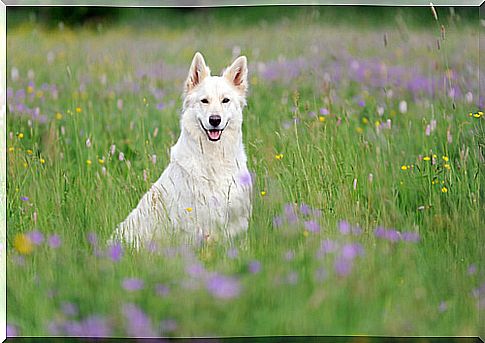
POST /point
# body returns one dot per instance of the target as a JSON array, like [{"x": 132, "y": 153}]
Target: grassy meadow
[{"x": 365, "y": 141}]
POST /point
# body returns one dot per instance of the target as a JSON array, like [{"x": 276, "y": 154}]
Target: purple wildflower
[
  {"x": 36, "y": 237},
  {"x": 12, "y": 331},
  {"x": 305, "y": 209},
  {"x": 324, "y": 111},
  {"x": 351, "y": 251},
  {"x": 410, "y": 236},
  {"x": 379, "y": 232},
  {"x": 95, "y": 326},
  {"x": 138, "y": 324},
  {"x": 132, "y": 284},
  {"x": 290, "y": 213},
  {"x": 115, "y": 252},
  {"x": 223, "y": 287},
  {"x": 195, "y": 270},
  {"x": 162, "y": 290},
  {"x": 393, "y": 235},
  {"x": 245, "y": 178},
  {"x": 112, "y": 149},
  {"x": 390, "y": 235},
  {"x": 254, "y": 267},
  {"x": 344, "y": 227},
  {"x": 361, "y": 103},
  {"x": 326, "y": 246},
  {"x": 24, "y": 198},
  {"x": 312, "y": 226},
  {"x": 160, "y": 106},
  {"x": 54, "y": 241},
  {"x": 277, "y": 221},
  {"x": 342, "y": 266},
  {"x": 72, "y": 328}
]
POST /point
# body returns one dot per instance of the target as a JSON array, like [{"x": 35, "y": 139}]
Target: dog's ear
[
  {"x": 237, "y": 74},
  {"x": 198, "y": 72}
]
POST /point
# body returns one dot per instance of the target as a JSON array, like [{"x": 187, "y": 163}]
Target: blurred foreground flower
[
  {"x": 22, "y": 244},
  {"x": 132, "y": 284},
  {"x": 138, "y": 324},
  {"x": 223, "y": 287}
]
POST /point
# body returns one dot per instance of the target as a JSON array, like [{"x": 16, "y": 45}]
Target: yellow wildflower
[
  {"x": 279, "y": 156},
  {"x": 426, "y": 158},
  {"x": 404, "y": 167},
  {"x": 11, "y": 149},
  {"x": 263, "y": 193},
  {"x": 22, "y": 244},
  {"x": 447, "y": 166},
  {"x": 478, "y": 115},
  {"x": 365, "y": 120},
  {"x": 20, "y": 135},
  {"x": 88, "y": 162},
  {"x": 444, "y": 189},
  {"x": 470, "y": 114},
  {"x": 445, "y": 158},
  {"x": 58, "y": 116},
  {"x": 321, "y": 119},
  {"x": 25, "y": 165},
  {"x": 78, "y": 109},
  {"x": 189, "y": 209},
  {"x": 101, "y": 161},
  {"x": 305, "y": 233},
  {"x": 42, "y": 161},
  {"x": 30, "y": 152},
  {"x": 359, "y": 130},
  {"x": 30, "y": 89},
  {"x": 377, "y": 123}
]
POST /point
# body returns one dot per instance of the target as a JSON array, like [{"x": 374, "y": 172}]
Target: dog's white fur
[{"x": 205, "y": 191}]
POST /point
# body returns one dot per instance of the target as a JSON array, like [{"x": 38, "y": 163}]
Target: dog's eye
[
  {"x": 204, "y": 101},
  {"x": 225, "y": 100}
]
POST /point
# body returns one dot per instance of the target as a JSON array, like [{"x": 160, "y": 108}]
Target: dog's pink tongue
[{"x": 214, "y": 134}]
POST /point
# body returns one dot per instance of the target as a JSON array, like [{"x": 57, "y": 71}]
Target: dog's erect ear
[
  {"x": 237, "y": 73},
  {"x": 198, "y": 72}
]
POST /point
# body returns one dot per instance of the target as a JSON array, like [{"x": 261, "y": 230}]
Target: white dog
[{"x": 206, "y": 189}]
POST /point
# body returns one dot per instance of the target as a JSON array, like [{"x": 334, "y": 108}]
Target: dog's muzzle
[{"x": 213, "y": 134}]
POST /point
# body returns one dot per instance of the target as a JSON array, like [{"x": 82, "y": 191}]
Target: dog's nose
[{"x": 215, "y": 120}]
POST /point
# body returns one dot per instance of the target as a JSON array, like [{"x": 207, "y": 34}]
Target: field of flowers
[{"x": 366, "y": 148}]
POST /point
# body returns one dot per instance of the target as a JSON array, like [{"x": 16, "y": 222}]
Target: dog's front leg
[{"x": 139, "y": 226}]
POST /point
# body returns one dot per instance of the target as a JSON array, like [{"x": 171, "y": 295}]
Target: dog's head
[{"x": 213, "y": 104}]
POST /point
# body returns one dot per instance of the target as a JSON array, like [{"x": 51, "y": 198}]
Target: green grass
[{"x": 400, "y": 288}]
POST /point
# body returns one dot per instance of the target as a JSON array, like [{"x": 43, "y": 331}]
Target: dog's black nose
[{"x": 215, "y": 120}]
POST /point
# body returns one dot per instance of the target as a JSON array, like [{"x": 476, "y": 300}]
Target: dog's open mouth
[{"x": 213, "y": 134}]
